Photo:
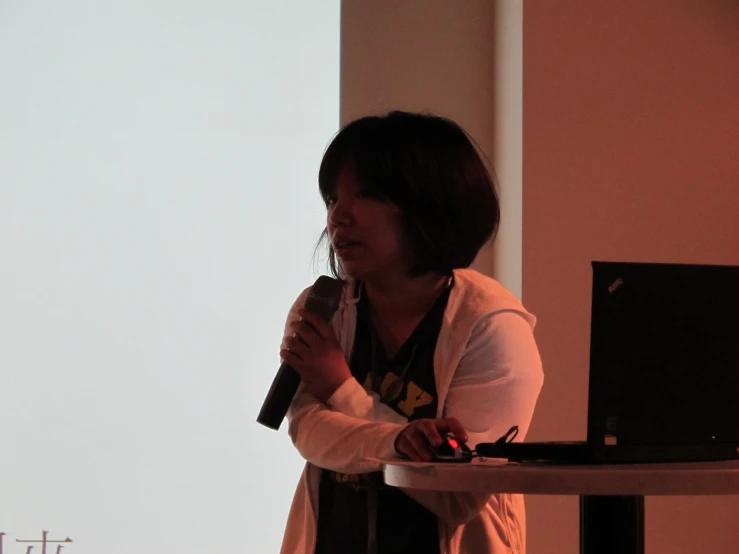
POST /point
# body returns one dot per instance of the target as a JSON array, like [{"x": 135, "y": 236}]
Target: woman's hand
[
  {"x": 315, "y": 354},
  {"x": 417, "y": 439}
]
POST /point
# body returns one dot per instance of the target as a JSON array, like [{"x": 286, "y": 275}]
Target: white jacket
[{"x": 488, "y": 375}]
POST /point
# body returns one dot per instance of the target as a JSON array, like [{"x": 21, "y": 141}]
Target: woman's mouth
[{"x": 345, "y": 247}]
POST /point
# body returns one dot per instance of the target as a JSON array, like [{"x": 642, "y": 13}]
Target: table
[{"x": 611, "y": 496}]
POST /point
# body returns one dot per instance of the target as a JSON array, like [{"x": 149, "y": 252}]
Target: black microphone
[{"x": 323, "y": 300}]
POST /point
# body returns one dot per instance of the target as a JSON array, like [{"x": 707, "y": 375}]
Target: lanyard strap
[{"x": 391, "y": 395}]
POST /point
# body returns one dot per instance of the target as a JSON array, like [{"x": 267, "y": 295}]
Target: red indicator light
[{"x": 453, "y": 443}]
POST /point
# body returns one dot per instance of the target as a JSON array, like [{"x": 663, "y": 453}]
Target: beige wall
[{"x": 629, "y": 152}]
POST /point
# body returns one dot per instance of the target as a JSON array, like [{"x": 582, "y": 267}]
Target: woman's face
[{"x": 366, "y": 232}]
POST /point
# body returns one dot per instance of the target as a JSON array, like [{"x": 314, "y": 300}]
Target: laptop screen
[{"x": 663, "y": 354}]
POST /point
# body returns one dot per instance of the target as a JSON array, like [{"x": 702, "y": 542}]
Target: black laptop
[{"x": 663, "y": 368}]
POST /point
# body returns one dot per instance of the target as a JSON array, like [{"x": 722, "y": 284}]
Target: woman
[{"x": 420, "y": 346}]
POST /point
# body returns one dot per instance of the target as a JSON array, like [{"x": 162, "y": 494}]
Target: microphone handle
[
  {"x": 280, "y": 396},
  {"x": 322, "y": 300}
]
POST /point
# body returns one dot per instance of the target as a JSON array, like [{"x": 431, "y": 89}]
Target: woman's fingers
[
  {"x": 320, "y": 327},
  {"x": 304, "y": 332},
  {"x": 411, "y": 446},
  {"x": 298, "y": 346},
  {"x": 291, "y": 359},
  {"x": 452, "y": 425},
  {"x": 421, "y": 445},
  {"x": 431, "y": 433},
  {"x": 419, "y": 438},
  {"x": 404, "y": 447},
  {"x": 416, "y": 440}
]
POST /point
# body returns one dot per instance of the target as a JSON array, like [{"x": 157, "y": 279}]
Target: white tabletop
[{"x": 702, "y": 478}]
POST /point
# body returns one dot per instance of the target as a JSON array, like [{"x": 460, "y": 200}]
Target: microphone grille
[{"x": 324, "y": 296}]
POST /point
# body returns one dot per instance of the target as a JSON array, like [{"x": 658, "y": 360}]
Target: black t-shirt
[{"x": 406, "y": 384}]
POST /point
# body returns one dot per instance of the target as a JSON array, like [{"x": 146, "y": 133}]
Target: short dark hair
[{"x": 428, "y": 166}]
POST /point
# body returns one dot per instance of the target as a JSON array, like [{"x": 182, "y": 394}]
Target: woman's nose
[{"x": 340, "y": 213}]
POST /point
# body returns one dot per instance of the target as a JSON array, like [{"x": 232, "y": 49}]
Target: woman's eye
[{"x": 367, "y": 194}]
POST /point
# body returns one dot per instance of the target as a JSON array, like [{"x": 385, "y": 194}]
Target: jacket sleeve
[
  {"x": 495, "y": 387},
  {"x": 352, "y": 399},
  {"x": 332, "y": 440},
  {"x": 352, "y": 427}
]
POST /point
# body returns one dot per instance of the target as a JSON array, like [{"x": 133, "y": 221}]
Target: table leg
[{"x": 611, "y": 525}]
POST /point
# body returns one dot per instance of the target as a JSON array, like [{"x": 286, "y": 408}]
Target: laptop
[{"x": 663, "y": 381}]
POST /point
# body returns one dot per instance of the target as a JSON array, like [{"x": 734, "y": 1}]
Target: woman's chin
[
  {"x": 353, "y": 270},
  {"x": 363, "y": 270}
]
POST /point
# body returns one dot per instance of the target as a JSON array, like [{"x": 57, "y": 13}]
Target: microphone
[{"x": 323, "y": 300}]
